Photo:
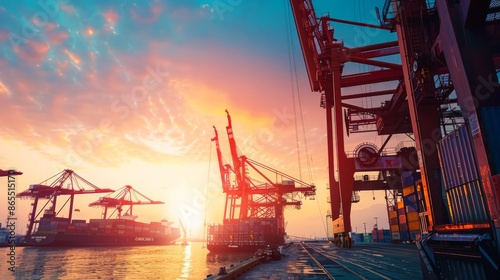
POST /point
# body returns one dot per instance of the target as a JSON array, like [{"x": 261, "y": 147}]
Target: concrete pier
[
  {"x": 294, "y": 264},
  {"x": 325, "y": 261}
]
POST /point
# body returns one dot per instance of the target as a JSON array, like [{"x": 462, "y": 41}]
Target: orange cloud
[
  {"x": 33, "y": 51},
  {"x": 110, "y": 16},
  {"x": 4, "y": 90},
  {"x": 110, "y": 119},
  {"x": 73, "y": 57},
  {"x": 149, "y": 16},
  {"x": 57, "y": 37}
]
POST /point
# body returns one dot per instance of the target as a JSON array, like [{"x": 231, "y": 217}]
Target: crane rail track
[{"x": 335, "y": 266}]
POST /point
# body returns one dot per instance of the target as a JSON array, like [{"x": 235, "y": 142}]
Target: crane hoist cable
[
  {"x": 294, "y": 77},
  {"x": 293, "y": 70},
  {"x": 206, "y": 195}
]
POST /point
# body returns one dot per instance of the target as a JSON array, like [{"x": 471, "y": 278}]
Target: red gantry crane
[
  {"x": 75, "y": 185},
  {"x": 447, "y": 97},
  {"x": 126, "y": 196},
  {"x": 55, "y": 230},
  {"x": 254, "y": 209},
  {"x": 324, "y": 58}
]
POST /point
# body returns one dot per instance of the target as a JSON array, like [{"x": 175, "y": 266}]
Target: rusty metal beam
[
  {"x": 368, "y": 94},
  {"x": 359, "y": 23},
  {"x": 375, "y": 47},
  {"x": 389, "y": 65},
  {"x": 306, "y": 39},
  {"x": 371, "y": 77},
  {"x": 374, "y": 185}
]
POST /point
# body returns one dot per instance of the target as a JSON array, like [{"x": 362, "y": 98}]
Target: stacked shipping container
[
  {"x": 404, "y": 219},
  {"x": 253, "y": 232},
  {"x": 461, "y": 179},
  {"x": 381, "y": 235},
  {"x": 49, "y": 225}
]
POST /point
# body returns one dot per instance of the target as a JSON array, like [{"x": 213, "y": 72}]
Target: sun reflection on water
[
  {"x": 186, "y": 268},
  {"x": 135, "y": 262}
]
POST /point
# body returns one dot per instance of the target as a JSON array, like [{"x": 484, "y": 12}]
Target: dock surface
[{"x": 325, "y": 261}]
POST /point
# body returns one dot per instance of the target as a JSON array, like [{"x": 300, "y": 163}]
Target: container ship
[
  {"x": 61, "y": 232},
  {"x": 116, "y": 229},
  {"x": 254, "y": 209},
  {"x": 248, "y": 235}
]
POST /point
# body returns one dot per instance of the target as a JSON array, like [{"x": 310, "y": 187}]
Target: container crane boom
[
  {"x": 241, "y": 181},
  {"x": 225, "y": 180},
  {"x": 125, "y": 196},
  {"x": 313, "y": 40},
  {"x": 261, "y": 203},
  {"x": 223, "y": 168},
  {"x": 234, "y": 150},
  {"x": 76, "y": 185}
]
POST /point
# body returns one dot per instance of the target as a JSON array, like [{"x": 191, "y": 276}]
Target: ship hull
[
  {"x": 232, "y": 248},
  {"x": 87, "y": 240},
  {"x": 59, "y": 232}
]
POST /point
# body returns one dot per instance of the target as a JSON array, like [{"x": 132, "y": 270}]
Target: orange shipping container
[
  {"x": 401, "y": 204},
  {"x": 395, "y": 228},
  {"x": 408, "y": 190},
  {"x": 393, "y": 214},
  {"x": 412, "y": 216},
  {"x": 413, "y": 226}
]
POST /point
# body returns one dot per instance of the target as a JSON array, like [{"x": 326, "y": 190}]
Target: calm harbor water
[{"x": 149, "y": 262}]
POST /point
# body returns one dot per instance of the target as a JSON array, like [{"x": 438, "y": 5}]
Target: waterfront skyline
[{"x": 127, "y": 95}]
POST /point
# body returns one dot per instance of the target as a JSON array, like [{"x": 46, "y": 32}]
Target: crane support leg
[
  {"x": 334, "y": 185},
  {"x": 344, "y": 165},
  {"x": 478, "y": 91}
]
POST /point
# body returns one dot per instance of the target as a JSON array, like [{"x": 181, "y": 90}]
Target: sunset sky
[{"x": 127, "y": 92}]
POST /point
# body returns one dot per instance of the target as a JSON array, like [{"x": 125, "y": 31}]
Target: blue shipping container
[
  {"x": 457, "y": 158},
  {"x": 415, "y": 235},
  {"x": 410, "y": 199},
  {"x": 409, "y": 178},
  {"x": 357, "y": 237},
  {"x": 405, "y": 236},
  {"x": 411, "y": 208},
  {"x": 367, "y": 237},
  {"x": 461, "y": 178}
]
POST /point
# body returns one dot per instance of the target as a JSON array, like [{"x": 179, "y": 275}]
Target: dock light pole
[
  {"x": 376, "y": 222},
  {"x": 364, "y": 224}
]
